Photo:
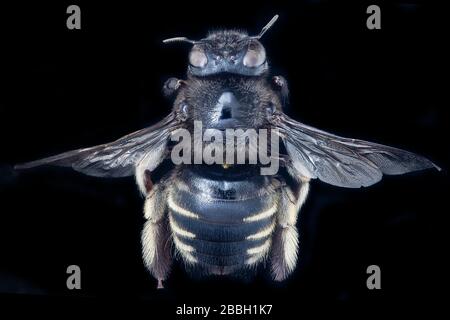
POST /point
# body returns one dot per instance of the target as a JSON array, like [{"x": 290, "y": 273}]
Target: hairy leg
[
  {"x": 156, "y": 240},
  {"x": 284, "y": 252}
]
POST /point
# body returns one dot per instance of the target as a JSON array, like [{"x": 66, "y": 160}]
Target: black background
[{"x": 63, "y": 89}]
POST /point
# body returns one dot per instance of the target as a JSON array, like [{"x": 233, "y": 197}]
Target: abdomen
[{"x": 222, "y": 219}]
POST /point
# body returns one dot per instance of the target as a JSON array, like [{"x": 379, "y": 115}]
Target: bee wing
[
  {"x": 342, "y": 161},
  {"x": 118, "y": 158}
]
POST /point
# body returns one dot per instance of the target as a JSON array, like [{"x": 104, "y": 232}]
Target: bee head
[{"x": 227, "y": 51}]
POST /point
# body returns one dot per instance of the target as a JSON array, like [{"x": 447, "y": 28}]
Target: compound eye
[
  {"x": 255, "y": 56},
  {"x": 197, "y": 57}
]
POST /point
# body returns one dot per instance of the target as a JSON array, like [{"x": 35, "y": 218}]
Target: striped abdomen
[{"x": 221, "y": 224}]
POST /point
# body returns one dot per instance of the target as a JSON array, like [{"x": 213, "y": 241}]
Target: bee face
[{"x": 228, "y": 52}]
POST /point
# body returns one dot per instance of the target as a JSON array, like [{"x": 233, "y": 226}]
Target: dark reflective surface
[{"x": 65, "y": 89}]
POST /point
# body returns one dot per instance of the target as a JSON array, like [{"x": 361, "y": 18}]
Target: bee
[{"x": 226, "y": 218}]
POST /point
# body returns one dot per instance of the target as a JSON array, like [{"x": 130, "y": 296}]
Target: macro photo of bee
[{"x": 225, "y": 218}]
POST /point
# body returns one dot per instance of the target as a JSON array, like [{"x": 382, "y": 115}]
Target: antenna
[
  {"x": 266, "y": 27},
  {"x": 193, "y": 42},
  {"x": 180, "y": 39}
]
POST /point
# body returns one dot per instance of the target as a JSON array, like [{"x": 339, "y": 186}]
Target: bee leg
[
  {"x": 148, "y": 184},
  {"x": 156, "y": 241},
  {"x": 280, "y": 84},
  {"x": 284, "y": 251},
  {"x": 171, "y": 86}
]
